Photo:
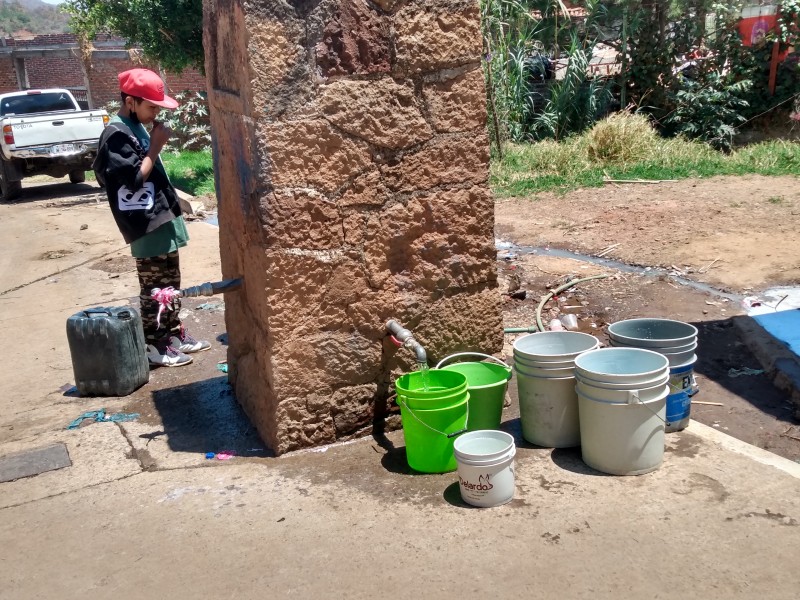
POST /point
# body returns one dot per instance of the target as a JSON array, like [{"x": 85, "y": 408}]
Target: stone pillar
[{"x": 352, "y": 162}]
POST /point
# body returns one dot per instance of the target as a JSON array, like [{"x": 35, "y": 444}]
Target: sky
[{"x": 53, "y": 1}]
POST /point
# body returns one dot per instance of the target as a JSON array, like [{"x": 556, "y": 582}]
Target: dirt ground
[
  {"x": 740, "y": 235},
  {"x": 736, "y": 233},
  {"x": 62, "y": 237}
]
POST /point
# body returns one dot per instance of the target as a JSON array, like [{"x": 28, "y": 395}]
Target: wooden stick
[
  {"x": 607, "y": 250},
  {"x": 640, "y": 180},
  {"x": 707, "y": 403},
  {"x": 711, "y": 264}
]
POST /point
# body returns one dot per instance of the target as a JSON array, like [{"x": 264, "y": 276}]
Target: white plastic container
[
  {"x": 620, "y": 438},
  {"x": 485, "y": 461}
]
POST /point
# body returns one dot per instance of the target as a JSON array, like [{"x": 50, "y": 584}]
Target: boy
[{"x": 146, "y": 209}]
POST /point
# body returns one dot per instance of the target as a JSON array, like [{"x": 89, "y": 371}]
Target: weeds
[{"x": 621, "y": 148}]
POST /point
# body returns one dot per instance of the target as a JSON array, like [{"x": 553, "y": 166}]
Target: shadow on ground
[
  {"x": 78, "y": 193},
  {"x": 204, "y": 416},
  {"x": 720, "y": 349}
]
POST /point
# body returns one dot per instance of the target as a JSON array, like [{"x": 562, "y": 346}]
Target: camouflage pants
[{"x": 158, "y": 272}]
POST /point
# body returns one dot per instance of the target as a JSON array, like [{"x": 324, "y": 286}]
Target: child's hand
[{"x": 159, "y": 136}]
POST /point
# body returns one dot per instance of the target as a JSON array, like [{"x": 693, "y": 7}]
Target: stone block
[
  {"x": 366, "y": 189},
  {"x": 435, "y": 242},
  {"x": 381, "y": 112},
  {"x": 458, "y": 102},
  {"x": 310, "y": 154},
  {"x": 434, "y": 36},
  {"x": 280, "y": 68},
  {"x": 444, "y": 160},
  {"x": 355, "y": 40},
  {"x": 300, "y": 218}
]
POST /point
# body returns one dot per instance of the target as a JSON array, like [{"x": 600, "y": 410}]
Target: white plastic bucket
[
  {"x": 548, "y": 411},
  {"x": 546, "y": 373},
  {"x": 554, "y": 346},
  {"x": 485, "y": 467},
  {"x": 642, "y": 394},
  {"x": 540, "y": 364},
  {"x": 621, "y": 365},
  {"x": 652, "y": 333},
  {"x": 661, "y": 379},
  {"x": 620, "y": 438}
]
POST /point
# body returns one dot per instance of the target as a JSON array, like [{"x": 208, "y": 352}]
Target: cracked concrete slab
[
  {"x": 352, "y": 521},
  {"x": 99, "y": 452}
]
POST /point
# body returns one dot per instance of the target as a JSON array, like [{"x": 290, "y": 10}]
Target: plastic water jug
[{"x": 108, "y": 351}]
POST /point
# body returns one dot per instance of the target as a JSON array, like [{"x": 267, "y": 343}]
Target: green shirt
[{"x": 171, "y": 235}]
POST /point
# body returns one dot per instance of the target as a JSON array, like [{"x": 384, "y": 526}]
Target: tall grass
[
  {"x": 191, "y": 171},
  {"x": 625, "y": 147}
]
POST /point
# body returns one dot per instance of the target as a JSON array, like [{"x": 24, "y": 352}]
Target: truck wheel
[
  {"x": 9, "y": 189},
  {"x": 77, "y": 176}
]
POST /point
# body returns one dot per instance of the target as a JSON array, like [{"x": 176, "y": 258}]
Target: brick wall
[
  {"x": 8, "y": 77},
  {"x": 58, "y": 65},
  {"x": 42, "y": 72}
]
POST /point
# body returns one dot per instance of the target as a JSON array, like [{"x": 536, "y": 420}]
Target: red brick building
[{"x": 55, "y": 61}]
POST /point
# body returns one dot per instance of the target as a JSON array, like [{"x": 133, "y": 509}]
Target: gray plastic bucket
[
  {"x": 621, "y": 365},
  {"x": 548, "y": 411},
  {"x": 554, "y": 346},
  {"x": 530, "y": 371},
  {"x": 677, "y": 355},
  {"x": 652, "y": 333}
]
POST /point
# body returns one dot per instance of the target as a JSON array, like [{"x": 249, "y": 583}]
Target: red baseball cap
[{"x": 144, "y": 84}]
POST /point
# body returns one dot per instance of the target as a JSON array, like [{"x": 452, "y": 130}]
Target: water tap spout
[{"x": 406, "y": 338}]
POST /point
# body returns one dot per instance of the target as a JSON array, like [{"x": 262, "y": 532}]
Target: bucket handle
[
  {"x": 421, "y": 422},
  {"x": 489, "y": 356},
  {"x": 633, "y": 398}
]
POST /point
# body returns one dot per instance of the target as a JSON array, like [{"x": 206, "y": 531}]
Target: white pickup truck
[{"x": 45, "y": 132}]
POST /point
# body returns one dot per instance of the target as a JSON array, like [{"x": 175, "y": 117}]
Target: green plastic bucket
[
  {"x": 486, "y": 383},
  {"x": 445, "y": 388},
  {"x": 430, "y": 435}
]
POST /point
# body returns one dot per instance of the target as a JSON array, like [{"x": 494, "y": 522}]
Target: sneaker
[
  {"x": 164, "y": 355},
  {"x": 186, "y": 343}
]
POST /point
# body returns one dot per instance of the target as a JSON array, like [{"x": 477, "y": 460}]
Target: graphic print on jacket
[{"x": 141, "y": 199}]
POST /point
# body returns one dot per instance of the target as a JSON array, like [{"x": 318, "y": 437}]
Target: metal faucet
[
  {"x": 403, "y": 337},
  {"x": 211, "y": 288}
]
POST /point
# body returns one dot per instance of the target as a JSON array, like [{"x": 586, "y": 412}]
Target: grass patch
[
  {"x": 625, "y": 147},
  {"x": 192, "y": 172}
]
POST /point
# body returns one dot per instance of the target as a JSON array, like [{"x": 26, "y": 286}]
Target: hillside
[{"x": 31, "y": 16}]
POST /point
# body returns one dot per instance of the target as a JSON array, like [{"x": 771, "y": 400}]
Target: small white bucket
[{"x": 485, "y": 461}]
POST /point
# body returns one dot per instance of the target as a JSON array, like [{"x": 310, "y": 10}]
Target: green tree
[{"x": 169, "y": 32}]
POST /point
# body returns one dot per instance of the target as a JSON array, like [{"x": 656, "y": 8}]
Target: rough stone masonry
[{"x": 352, "y": 162}]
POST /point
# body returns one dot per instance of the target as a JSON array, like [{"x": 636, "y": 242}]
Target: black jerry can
[{"x": 109, "y": 356}]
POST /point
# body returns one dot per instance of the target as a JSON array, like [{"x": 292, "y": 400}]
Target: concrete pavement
[{"x": 141, "y": 513}]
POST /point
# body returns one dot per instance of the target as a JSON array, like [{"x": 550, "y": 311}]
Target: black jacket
[{"x": 139, "y": 207}]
